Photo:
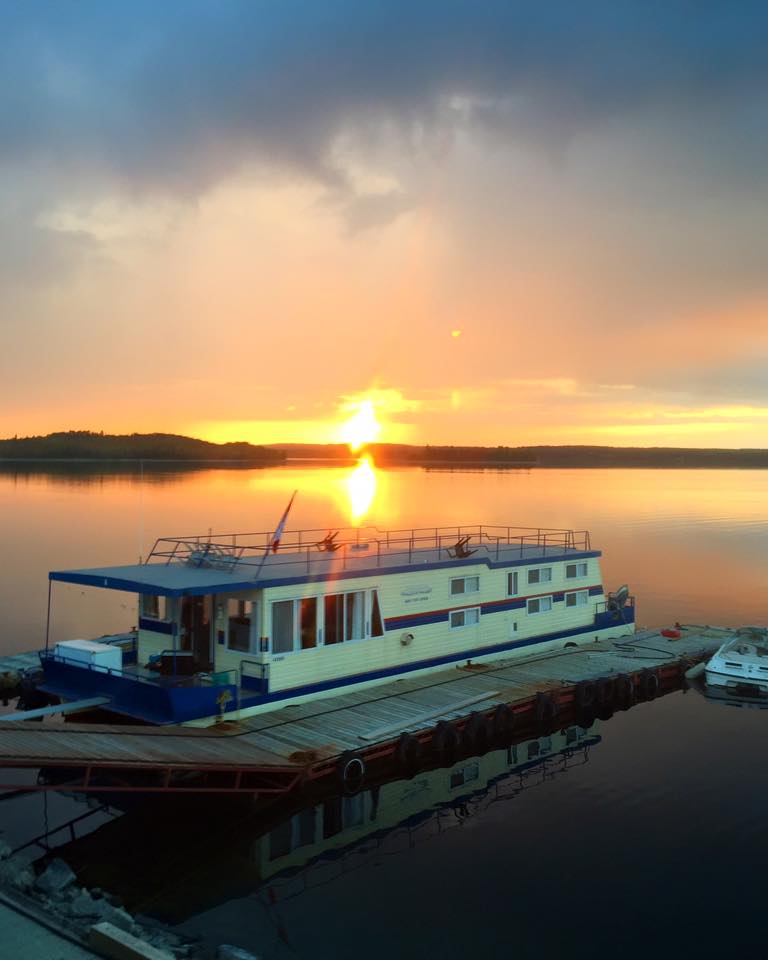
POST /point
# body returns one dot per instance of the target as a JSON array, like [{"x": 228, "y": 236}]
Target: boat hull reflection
[
  {"x": 745, "y": 698},
  {"x": 173, "y": 859}
]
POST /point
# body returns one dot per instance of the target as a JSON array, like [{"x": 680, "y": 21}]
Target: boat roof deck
[{"x": 196, "y": 565}]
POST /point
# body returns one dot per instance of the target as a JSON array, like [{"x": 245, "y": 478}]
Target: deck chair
[
  {"x": 328, "y": 543},
  {"x": 459, "y": 550}
]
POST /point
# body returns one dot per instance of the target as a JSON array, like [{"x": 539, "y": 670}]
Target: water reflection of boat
[
  {"x": 742, "y": 696},
  {"x": 740, "y": 665},
  {"x": 160, "y": 862},
  {"x": 336, "y": 828}
]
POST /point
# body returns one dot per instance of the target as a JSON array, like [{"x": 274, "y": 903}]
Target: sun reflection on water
[{"x": 361, "y": 488}]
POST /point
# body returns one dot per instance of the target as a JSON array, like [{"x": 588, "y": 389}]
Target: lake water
[{"x": 644, "y": 836}]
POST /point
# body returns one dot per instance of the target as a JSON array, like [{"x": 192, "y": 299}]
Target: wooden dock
[
  {"x": 408, "y": 722},
  {"x": 19, "y": 662},
  {"x": 12, "y": 670}
]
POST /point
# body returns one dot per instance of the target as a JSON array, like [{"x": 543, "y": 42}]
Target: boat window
[
  {"x": 353, "y": 810},
  {"x": 465, "y": 585},
  {"x": 332, "y": 822},
  {"x": 152, "y": 606},
  {"x": 464, "y": 618},
  {"x": 575, "y": 570},
  {"x": 465, "y": 775},
  {"x": 304, "y": 827},
  {"x": 308, "y": 622},
  {"x": 580, "y": 598},
  {"x": 280, "y": 840},
  {"x": 282, "y": 626},
  {"x": 238, "y": 626},
  {"x": 334, "y": 619},
  {"x": 540, "y": 575},
  {"x": 355, "y": 616},
  {"x": 540, "y": 605},
  {"x": 513, "y": 584},
  {"x": 377, "y": 628},
  {"x": 345, "y": 617}
]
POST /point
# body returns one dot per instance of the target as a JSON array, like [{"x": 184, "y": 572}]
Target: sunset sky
[{"x": 502, "y": 222}]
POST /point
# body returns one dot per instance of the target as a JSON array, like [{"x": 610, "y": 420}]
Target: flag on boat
[{"x": 281, "y": 526}]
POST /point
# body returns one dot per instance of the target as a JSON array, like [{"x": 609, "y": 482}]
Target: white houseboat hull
[{"x": 225, "y": 632}]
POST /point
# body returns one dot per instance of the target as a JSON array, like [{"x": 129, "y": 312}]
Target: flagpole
[{"x": 275, "y": 541}]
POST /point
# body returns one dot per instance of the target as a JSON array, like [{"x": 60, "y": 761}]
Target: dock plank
[{"x": 283, "y": 737}]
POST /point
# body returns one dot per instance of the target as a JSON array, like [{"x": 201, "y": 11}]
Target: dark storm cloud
[{"x": 176, "y": 95}]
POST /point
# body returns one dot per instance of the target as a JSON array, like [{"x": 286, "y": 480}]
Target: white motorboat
[{"x": 741, "y": 662}]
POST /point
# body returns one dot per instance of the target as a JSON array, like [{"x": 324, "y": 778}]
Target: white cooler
[{"x": 99, "y": 656}]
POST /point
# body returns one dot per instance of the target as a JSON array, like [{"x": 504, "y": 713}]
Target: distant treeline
[
  {"x": 85, "y": 445},
  {"x": 544, "y": 456}
]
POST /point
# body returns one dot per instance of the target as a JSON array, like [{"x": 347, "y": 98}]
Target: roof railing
[{"x": 344, "y": 546}]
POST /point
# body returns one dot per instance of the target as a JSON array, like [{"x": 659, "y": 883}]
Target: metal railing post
[{"x": 48, "y": 617}]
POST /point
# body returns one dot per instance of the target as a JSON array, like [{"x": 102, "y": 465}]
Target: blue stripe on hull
[
  {"x": 602, "y": 622},
  {"x": 404, "y": 621},
  {"x": 162, "y": 704}
]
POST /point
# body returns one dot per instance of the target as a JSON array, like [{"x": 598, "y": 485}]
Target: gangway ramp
[{"x": 71, "y": 706}]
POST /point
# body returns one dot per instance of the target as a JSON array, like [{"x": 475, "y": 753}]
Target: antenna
[{"x": 141, "y": 511}]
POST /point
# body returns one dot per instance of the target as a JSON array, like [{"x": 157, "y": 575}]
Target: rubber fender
[
  {"x": 650, "y": 685},
  {"x": 545, "y": 710},
  {"x": 503, "y": 721},
  {"x": 445, "y": 740},
  {"x": 695, "y": 671},
  {"x": 408, "y": 753},
  {"x": 606, "y": 691},
  {"x": 585, "y": 694},
  {"x": 624, "y": 690},
  {"x": 605, "y": 712},
  {"x": 351, "y": 772},
  {"x": 476, "y": 733}
]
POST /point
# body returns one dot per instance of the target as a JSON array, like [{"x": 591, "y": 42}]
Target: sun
[{"x": 362, "y": 427}]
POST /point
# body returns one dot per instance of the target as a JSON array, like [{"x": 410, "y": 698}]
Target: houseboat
[{"x": 229, "y": 628}]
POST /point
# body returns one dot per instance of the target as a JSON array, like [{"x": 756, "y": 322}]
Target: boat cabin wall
[
  {"x": 427, "y": 616},
  {"x": 158, "y": 624},
  {"x": 237, "y": 629},
  {"x": 227, "y": 627}
]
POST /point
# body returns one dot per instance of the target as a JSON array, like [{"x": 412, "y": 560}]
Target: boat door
[{"x": 196, "y": 627}]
